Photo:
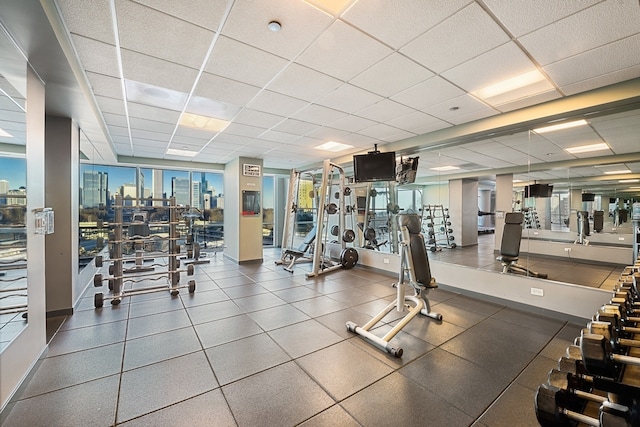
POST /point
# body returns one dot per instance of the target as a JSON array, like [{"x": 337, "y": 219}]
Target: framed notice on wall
[
  {"x": 250, "y": 203},
  {"x": 251, "y": 170}
]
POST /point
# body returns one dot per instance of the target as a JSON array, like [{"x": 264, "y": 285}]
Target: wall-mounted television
[
  {"x": 538, "y": 190},
  {"x": 588, "y": 197},
  {"x": 374, "y": 166}
]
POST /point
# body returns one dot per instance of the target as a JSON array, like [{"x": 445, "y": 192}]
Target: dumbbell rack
[
  {"x": 436, "y": 223},
  {"x": 117, "y": 278},
  {"x": 597, "y": 382},
  {"x": 531, "y": 218}
]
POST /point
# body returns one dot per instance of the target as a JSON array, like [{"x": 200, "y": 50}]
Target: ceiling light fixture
[
  {"x": 618, "y": 172},
  {"x": 183, "y": 153},
  {"x": 566, "y": 125},
  {"x": 445, "y": 168},
  {"x": 587, "y": 148},
  {"x": 196, "y": 121},
  {"x": 274, "y": 26},
  {"x": 628, "y": 181},
  {"x": 333, "y": 146},
  {"x": 518, "y": 87}
]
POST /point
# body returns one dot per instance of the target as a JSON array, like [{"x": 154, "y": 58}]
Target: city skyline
[{"x": 14, "y": 171}]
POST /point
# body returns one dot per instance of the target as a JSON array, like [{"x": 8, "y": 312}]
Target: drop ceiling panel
[
  {"x": 417, "y": 122},
  {"x": 326, "y": 133},
  {"x": 152, "y": 113},
  {"x": 243, "y": 130},
  {"x": 90, "y": 19},
  {"x": 528, "y": 101},
  {"x": 118, "y": 131},
  {"x": 349, "y": 98},
  {"x": 352, "y": 123},
  {"x": 194, "y": 133},
  {"x": 386, "y": 132},
  {"x": 596, "y": 62},
  {"x": 396, "y": 25},
  {"x": 157, "y": 72},
  {"x": 230, "y": 139},
  {"x": 430, "y": 92},
  {"x": 276, "y": 136},
  {"x": 301, "y": 24},
  {"x": 343, "y": 52},
  {"x": 111, "y": 105},
  {"x": 207, "y": 14},
  {"x": 457, "y": 39},
  {"x": 151, "y": 125},
  {"x": 318, "y": 114},
  {"x": 226, "y": 90},
  {"x": 115, "y": 119},
  {"x": 452, "y": 109},
  {"x": 239, "y": 61},
  {"x": 272, "y": 102},
  {"x": 498, "y": 64},
  {"x": 294, "y": 81},
  {"x": 105, "y": 85},
  {"x": 384, "y": 111},
  {"x": 602, "y": 81},
  {"x": 382, "y": 79},
  {"x": 146, "y": 134},
  {"x": 164, "y": 36},
  {"x": 297, "y": 127},
  {"x": 257, "y": 118},
  {"x": 582, "y": 31},
  {"x": 97, "y": 56}
]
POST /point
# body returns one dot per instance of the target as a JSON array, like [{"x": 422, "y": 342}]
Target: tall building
[
  {"x": 140, "y": 182},
  {"x": 95, "y": 187},
  {"x": 180, "y": 189},
  {"x": 196, "y": 195},
  {"x": 156, "y": 186},
  {"x": 4, "y": 186},
  {"x": 128, "y": 193}
]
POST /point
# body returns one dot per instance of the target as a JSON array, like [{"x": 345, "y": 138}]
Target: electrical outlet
[
  {"x": 537, "y": 292},
  {"x": 567, "y": 249},
  {"x": 621, "y": 238},
  {"x": 385, "y": 260}
]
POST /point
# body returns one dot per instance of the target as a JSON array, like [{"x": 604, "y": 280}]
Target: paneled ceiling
[{"x": 207, "y": 81}]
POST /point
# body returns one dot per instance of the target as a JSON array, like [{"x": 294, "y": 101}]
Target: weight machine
[{"x": 315, "y": 250}]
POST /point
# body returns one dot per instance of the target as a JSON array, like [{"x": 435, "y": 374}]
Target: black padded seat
[
  {"x": 304, "y": 246},
  {"x": 510, "y": 246},
  {"x": 598, "y": 221},
  {"x": 418, "y": 249}
]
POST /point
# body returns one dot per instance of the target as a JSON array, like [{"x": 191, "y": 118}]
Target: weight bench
[
  {"x": 510, "y": 246},
  {"x": 292, "y": 256},
  {"x": 414, "y": 263}
]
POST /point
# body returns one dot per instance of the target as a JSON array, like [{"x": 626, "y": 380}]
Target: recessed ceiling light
[
  {"x": 587, "y": 148},
  {"x": 5, "y": 134},
  {"x": 184, "y": 153},
  {"x": 333, "y": 146},
  {"x": 515, "y": 181},
  {"x": 155, "y": 96},
  {"x": 518, "y": 87},
  {"x": 561, "y": 126},
  {"x": 274, "y": 26},
  {"x": 445, "y": 168},
  {"x": 618, "y": 172},
  {"x": 628, "y": 181},
  {"x": 196, "y": 121}
]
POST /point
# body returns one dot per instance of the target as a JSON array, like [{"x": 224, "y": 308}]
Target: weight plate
[
  {"x": 373, "y": 192},
  {"x": 348, "y": 236},
  {"x": 370, "y": 233},
  {"x": 348, "y": 258},
  {"x": 347, "y": 191},
  {"x": 335, "y": 230},
  {"x": 337, "y": 195},
  {"x": 332, "y": 208}
]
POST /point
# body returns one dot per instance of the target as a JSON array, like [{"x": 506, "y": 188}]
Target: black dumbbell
[
  {"x": 579, "y": 385},
  {"x": 574, "y": 366},
  {"x": 617, "y": 322},
  {"x": 599, "y": 358},
  {"x": 613, "y": 334}
]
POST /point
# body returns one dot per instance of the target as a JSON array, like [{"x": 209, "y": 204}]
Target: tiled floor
[
  {"x": 578, "y": 272},
  {"x": 258, "y": 346}
]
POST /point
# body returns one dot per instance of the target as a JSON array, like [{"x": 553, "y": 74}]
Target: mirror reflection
[{"x": 13, "y": 193}]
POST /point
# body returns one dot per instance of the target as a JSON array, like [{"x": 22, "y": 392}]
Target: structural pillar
[
  {"x": 504, "y": 204},
  {"x": 463, "y": 208}
]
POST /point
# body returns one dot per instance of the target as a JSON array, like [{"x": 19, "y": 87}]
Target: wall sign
[{"x": 251, "y": 170}]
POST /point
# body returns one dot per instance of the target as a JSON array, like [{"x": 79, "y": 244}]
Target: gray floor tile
[
  {"x": 514, "y": 408},
  {"x": 145, "y": 308},
  {"x": 343, "y": 369},
  {"x": 430, "y": 330},
  {"x": 156, "y": 386},
  {"x": 463, "y": 384},
  {"x": 472, "y": 304},
  {"x": 155, "y": 348},
  {"x": 334, "y": 416},
  {"x": 517, "y": 336},
  {"x": 226, "y": 330},
  {"x": 412, "y": 347},
  {"x": 258, "y": 302},
  {"x": 86, "y": 338},
  {"x": 296, "y": 293},
  {"x": 211, "y": 312},
  {"x": 239, "y": 359},
  {"x": 281, "y": 396},
  {"x": 536, "y": 372},
  {"x": 319, "y": 306},
  {"x": 277, "y": 317},
  {"x": 81, "y": 319},
  {"x": 205, "y": 410},
  {"x": 57, "y": 372},
  {"x": 87, "y": 404},
  {"x": 245, "y": 290},
  {"x": 397, "y": 401},
  {"x": 457, "y": 315},
  {"x": 201, "y": 297},
  {"x": 157, "y": 323},
  {"x": 337, "y": 321},
  {"x": 529, "y": 320},
  {"x": 558, "y": 345},
  {"x": 305, "y": 337}
]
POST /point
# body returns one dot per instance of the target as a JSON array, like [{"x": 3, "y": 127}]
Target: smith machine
[{"x": 315, "y": 248}]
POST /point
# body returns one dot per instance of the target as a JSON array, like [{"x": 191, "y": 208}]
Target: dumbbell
[
  {"x": 618, "y": 323},
  {"x": 578, "y": 385},
  {"x": 612, "y": 333},
  {"x": 615, "y": 309},
  {"x": 573, "y": 366},
  {"x": 557, "y": 407},
  {"x": 599, "y": 358}
]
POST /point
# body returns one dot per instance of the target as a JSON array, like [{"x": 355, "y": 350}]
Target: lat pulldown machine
[{"x": 414, "y": 263}]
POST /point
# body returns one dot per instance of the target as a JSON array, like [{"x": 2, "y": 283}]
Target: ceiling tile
[
  {"x": 111, "y": 105},
  {"x": 105, "y": 85},
  {"x": 301, "y": 24},
  {"x": 377, "y": 78},
  {"x": 328, "y": 134},
  {"x": 157, "y": 72},
  {"x": 465, "y": 105},
  {"x": 528, "y": 101},
  {"x": 231, "y": 139},
  {"x": 456, "y": 40},
  {"x": 257, "y": 118},
  {"x": 396, "y": 24},
  {"x": 343, "y": 52},
  {"x": 151, "y": 125},
  {"x": 276, "y": 103},
  {"x": 575, "y": 34},
  {"x": 89, "y": 19},
  {"x": 97, "y": 56},
  {"x": 430, "y": 92},
  {"x": 352, "y": 123},
  {"x": 146, "y": 134},
  {"x": 303, "y": 83},
  {"x": 418, "y": 122},
  {"x": 382, "y": 131},
  {"x": 164, "y": 36},
  {"x": 349, "y": 98},
  {"x": 596, "y": 62},
  {"x": 297, "y": 127},
  {"x": 601, "y": 81},
  {"x": 276, "y": 136},
  {"x": 384, "y": 111},
  {"x": 115, "y": 119},
  {"x": 203, "y": 13},
  {"x": 152, "y": 113},
  {"x": 318, "y": 114},
  {"x": 225, "y": 90},
  {"x": 523, "y": 16},
  {"x": 244, "y": 130},
  {"x": 491, "y": 67},
  {"x": 238, "y": 61}
]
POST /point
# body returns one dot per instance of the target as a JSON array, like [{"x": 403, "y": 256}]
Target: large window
[{"x": 268, "y": 203}]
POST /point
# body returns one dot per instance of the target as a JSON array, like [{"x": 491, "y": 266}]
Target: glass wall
[{"x": 268, "y": 213}]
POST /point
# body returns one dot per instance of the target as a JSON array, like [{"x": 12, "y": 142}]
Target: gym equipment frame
[
  {"x": 415, "y": 264},
  {"x": 510, "y": 246},
  {"x": 117, "y": 279}
]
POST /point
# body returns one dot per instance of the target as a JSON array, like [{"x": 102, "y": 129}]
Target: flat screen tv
[
  {"x": 538, "y": 190},
  {"x": 374, "y": 166},
  {"x": 588, "y": 197}
]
